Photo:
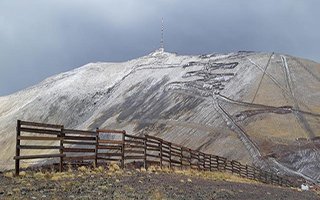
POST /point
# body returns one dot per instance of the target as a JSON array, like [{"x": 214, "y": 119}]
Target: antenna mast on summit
[{"x": 161, "y": 41}]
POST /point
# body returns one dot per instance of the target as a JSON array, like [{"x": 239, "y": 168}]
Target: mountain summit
[{"x": 258, "y": 108}]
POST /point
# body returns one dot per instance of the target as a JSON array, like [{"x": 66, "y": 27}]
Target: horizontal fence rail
[
  {"x": 102, "y": 146},
  {"x": 78, "y": 146}
]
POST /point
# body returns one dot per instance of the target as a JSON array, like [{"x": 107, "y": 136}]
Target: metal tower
[{"x": 162, "y": 41}]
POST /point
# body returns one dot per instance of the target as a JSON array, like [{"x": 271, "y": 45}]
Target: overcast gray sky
[{"x": 40, "y": 38}]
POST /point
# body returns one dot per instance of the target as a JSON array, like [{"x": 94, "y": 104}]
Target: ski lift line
[
  {"x": 264, "y": 71},
  {"x": 271, "y": 77},
  {"x": 288, "y": 170},
  {"x": 301, "y": 119},
  {"x": 263, "y": 106},
  {"x": 245, "y": 103},
  {"x": 289, "y": 84},
  {"x": 257, "y": 149},
  {"x": 288, "y": 77},
  {"x": 306, "y": 113},
  {"x": 243, "y": 133},
  {"x": 278, "y": 84},
  {"x": 248, "y": 143},
  {"x": 305, "y": 125},
  {"x": 315, "y": 148}
]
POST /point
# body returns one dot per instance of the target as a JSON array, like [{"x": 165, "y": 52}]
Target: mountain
[{"x": 258, "y": 108}]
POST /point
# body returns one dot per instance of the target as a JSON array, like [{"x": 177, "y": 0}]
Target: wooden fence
[
  {"x": 51, "y": 132},
  {"x": 101, "y": 146}
]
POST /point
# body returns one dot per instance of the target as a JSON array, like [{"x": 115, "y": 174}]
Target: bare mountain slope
[{"x": 260, "y": 108}]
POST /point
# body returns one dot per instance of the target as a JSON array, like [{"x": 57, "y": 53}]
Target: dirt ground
[{"x": 137, "y": 185}]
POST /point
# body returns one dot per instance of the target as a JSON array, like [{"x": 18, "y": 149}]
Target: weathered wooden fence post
[
  {"x": 122, "y": 148},
  {"x": 161, "y": 159},
  {"x": 170, "y": 164},
  {"x": 247, "y": 173},
  {"x": 17, "y": 160},
  {"x": 96, "y": 149},
  {"x": 198, "y": 157},
  {"x": 205, "y": 162},
  {"x": 232, "y": 166},
  {"x": 189, "y": 157},
  {"x": 181, "y": 157},
  {"x": 61, "y": 150},
  {"x": 145, "y": 152},
  {"x": 218, "y": 163}
]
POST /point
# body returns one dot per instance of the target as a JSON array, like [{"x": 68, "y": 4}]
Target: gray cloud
[{"x": 42, "y": 38}]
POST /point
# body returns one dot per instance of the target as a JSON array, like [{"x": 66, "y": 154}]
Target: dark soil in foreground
[{"x": 140, "y": 185}]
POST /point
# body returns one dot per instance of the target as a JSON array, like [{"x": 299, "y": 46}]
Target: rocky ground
[{"x": 139, "y": 184}]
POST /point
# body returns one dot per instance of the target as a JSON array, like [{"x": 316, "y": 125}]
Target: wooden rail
[
  {"x": 102, "y": 146},
  {"x": 78, "y": 146}
]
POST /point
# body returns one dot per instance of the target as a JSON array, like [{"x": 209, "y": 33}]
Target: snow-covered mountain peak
[{"x": 241, "y": 105}]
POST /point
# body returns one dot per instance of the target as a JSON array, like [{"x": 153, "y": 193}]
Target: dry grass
[
  {"x": 212, "y": 175},
  {"x": 114, "y": 169},
  {"x": 157, "y": 195},
  {"x": 9, "y": 174},
  {"x": 55, "y": 176}
]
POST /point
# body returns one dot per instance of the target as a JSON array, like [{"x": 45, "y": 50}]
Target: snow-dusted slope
[{"x": 246, "y": 106}]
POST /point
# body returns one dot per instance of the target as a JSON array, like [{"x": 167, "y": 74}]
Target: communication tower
[{"x": 161, "y": 41}]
